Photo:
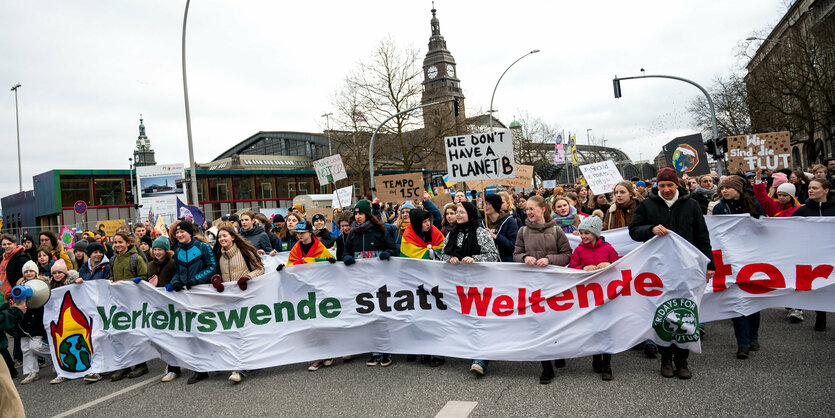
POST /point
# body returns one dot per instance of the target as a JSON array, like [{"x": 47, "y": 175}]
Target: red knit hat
[{"x": 667, "y": 174}]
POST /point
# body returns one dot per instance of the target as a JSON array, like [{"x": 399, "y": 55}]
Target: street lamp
[
  {"x": 588, "y": 137},
  {"x": 188, "y": 116},
  {"x": 17, "y": 125},
  {"x": 490, "y": 111},
  {"x": 327, "y": 117}
]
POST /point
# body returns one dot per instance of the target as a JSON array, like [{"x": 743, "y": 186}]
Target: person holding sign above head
[
  {"x": 670, "y": 208},
  {"x": 469, "y": 243},
  {"x": 500, "y": 225},
  {"x": 784, "y": 205},
  {"x": 541, "y": 243}
]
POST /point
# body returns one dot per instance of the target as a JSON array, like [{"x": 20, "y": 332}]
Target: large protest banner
[
  {"x": 602, "y": 177},
  {"x": 480, "y": 156},
  {"x": 752, "y": 275},
  {"x": 686, "y": 154},
  {"x": 330, "y": 169},
  {"x": 400, "y": 187},
  {"x": 325, "y": 310},
  {"x": 770, "y": 150},
  {"x": 159, "y": 189}
]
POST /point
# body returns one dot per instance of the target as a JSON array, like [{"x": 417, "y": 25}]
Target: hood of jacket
[{"x": 255, "y": 230}]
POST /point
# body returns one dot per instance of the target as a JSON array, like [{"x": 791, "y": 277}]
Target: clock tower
[{"x": 440, "y": 82}]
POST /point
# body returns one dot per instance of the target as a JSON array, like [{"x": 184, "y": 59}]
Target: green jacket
[
  {"x": 120, "y": 266},
  {"x": 9, "y": 317}
]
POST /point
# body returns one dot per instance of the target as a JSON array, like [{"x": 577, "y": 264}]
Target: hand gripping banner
[{"x": 500, "y": 311}]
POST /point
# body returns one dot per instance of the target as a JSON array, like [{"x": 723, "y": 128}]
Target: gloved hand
[
  {"x": 217, "y": 282},
  {"x": 137, "y": 279},
  {"x": 169, "y": 287},
  {"x": 331, "y": 260},
  {"x": 348, "y": 260},
  {"x": 178, "y": 286},
  {"x": 242, "y": 282},
  {"x": 385, "y": 255},
  {"x": 280, "y": 266}
]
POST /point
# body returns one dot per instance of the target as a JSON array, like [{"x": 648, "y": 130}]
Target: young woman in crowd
[
  {"x": 11, "y": 266},
  {"x": 565, "y": 215},
  {"x": 30, "y": 246},
  {"x": 521, "y": 204},
  {"x": 254, "y": 233},
  {"x": 705, "y": 192},
  {"x": 620, "y": 212},
  {"x": 501, "y": 226},
  {"x": 402, "y": 222},
  {"x": 469, "y": 243},
  {"x": 600, "y": 201},
  {"x": 79, "y": 253},
  {"x": 735, "y": 201},
  {"x": 287, "y": 237},
  {"x": 127, "y": 265},
  {"x": 821, "y": 202},
  {"x": 31, "y": 330},
  {"x": 145, "y": 247},
  {"x": 422, "y": 239},
  {"x": 344, "y": 223},
  {"x": 784, "y": 205},
  {"x": 801, "y": 184},
  {"x": 238, "y": 261},
  {"x": 595, "y": 253},
  {"x": 320, "y": 231},
  {"x": 368, "y": 239},
  {"x": 49, "y": 241},
  {"x": 45, "y": 262},
  {"x": 541, "y": 243},
  {"x": 584, "y": 201},
  {"x": 97, "y": 265},
  {"x": 450, "y": 214}
]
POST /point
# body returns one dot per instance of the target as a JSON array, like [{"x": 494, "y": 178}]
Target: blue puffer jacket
[
  {"x": 194, "y": 264},
  {"x": 100, "y": 271}
]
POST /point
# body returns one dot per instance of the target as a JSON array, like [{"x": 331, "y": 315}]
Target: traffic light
[
  {"x": 710, "y": 147},
  {"x": 455, "y": 107},
  {"x": 722, "y": 146},
  {"x": 616, "y": 84}
]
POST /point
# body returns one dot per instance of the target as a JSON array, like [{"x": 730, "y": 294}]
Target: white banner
[
  {"x": 760, "y": 264},
  {"x": 480, "y": 156},
  {"x": 324, "y": 310}
]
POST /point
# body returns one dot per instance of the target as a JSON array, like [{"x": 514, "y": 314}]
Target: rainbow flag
[
  {"x": 429, "y": 189},
  {"x": 317, "y": 252},
  {"x": 413, "y": 246}
]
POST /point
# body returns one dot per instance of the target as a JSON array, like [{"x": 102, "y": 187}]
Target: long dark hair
[
  {"x": 375, "y": 222},
  {"x": 246, "y": 249},
  {"x": 53, "y": 239}
]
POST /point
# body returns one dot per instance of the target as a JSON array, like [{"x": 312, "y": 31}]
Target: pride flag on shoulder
[{"x": 413, "y": 246}]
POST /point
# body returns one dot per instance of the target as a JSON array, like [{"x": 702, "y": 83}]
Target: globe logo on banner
[
  {"x": 677, "y": 320},
  {"x": 685, "y": 158},
  {"x": 71, "y": 338}
]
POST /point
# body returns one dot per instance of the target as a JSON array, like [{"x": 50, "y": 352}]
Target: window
[
  {"x": 75, "y": 189},
  {"x": 220, "y": 188},
  {"x": 243, "y": 187},
  {"x": 110, "y": 191},
  {"x": 266, "y": 187},
  {"x": 286, "y": 187},
  {"x": 202, "y": 188}
]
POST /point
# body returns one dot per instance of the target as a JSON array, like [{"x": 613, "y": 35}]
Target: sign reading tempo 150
[{"x": 480, "y": 156}]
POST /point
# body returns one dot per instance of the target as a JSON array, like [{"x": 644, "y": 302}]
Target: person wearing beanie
[
  {"x": 79, "y": 254},
  {"x": 298, "y": 209},
  {"x": 29, "y": 246},
  {"x": 595, "y": 253},
  {"x": 321, "y": 232},
  {"x": 500, "y": 225},
  {"x": 777, "y": 178},
  {"x": 785, "y": 204},
  {"x": 31, "y": 266},
  {"x": 145, "y": 246},
  {"x": 31, "y": 329},
  {"x": 97, "y": 265},
  {"x": 402, "y": 223},
  {"x": 669, "y": 207}
]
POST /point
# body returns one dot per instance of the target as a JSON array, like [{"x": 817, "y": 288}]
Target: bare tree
[
  {"x": 351, "y": 134},
  {"x": 730, "y": 98}
]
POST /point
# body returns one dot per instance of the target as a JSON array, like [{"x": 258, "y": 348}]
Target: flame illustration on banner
[{"x": 71, "y": 340}]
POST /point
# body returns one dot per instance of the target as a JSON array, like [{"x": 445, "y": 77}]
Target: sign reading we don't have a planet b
[{"x": 480, "y": 156}]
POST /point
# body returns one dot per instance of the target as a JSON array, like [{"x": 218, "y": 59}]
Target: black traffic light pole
[
  {"x": 616, "y": 84},
  {"x": 374, "y": 135}
]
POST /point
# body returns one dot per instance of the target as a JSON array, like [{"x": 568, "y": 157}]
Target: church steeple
[
  {"x": 143, "y": 154},
  {"x": 440, "y": 81}
]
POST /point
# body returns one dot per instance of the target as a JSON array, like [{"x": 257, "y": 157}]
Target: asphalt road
[{"x": 792, "y": 375}]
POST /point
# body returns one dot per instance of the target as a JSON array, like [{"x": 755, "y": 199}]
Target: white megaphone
[{"x": 35, "y": 292}]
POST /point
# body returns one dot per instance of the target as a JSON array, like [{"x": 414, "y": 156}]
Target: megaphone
[{"x": 35, "y": 292}]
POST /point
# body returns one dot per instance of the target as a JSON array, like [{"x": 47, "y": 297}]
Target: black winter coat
[
  {"x": 684, "y": 218},
  {"x": 258, "y": 238},
  {"x": 812, "y": 208},
  {"x": 368, "y": 244}
]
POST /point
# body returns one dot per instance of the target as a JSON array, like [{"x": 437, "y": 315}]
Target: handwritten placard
[
  {"x": 342, "y": 197},
  {"x": 330, "y": 169},
  {"x": 441, "y": 200},
  {"x": 400, "y": 187},
  {"x": 549, "y": 184},
  {"x": 601, "y": 177},
  {"x": 769, "y": 150},
  {"x": 524, "y": 176},
  {"x": 480, "y": 156}
]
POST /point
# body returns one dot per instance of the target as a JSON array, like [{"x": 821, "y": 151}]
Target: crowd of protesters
[{"x": 505, "y": 226}]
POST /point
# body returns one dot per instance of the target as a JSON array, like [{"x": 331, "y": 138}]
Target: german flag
[{"x": 413, "y": 246}]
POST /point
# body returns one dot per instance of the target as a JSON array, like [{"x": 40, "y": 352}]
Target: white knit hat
[
  {"x": 592, "y": 224},
  {"x": 30, "y": 265},
  {"x": 787, "y": 188}
]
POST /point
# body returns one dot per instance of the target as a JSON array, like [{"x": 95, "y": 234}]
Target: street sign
[{"x": 80, "y": 207}]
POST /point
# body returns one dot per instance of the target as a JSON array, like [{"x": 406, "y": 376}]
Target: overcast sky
[{"x": 90, "y": 68}]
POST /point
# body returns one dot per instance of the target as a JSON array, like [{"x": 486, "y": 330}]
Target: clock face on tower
[
  {"x": 432, "y": 72},
  {"x": 450, "y": 70}
]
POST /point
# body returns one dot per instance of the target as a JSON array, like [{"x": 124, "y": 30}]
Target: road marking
[
  {"x": 106, "y": 398},
  {"x": 456, "y": 409}
]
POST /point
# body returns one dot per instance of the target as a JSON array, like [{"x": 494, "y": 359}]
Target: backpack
[
  {"x": 133, "y": 261},
  {"x": 524, "y": 231}
]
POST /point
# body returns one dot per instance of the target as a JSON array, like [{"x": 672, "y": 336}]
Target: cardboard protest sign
[
  {"x": 342, "y": 197},
  {"x": 441, "y": 200},
  {"x": 399, "y": 187},
  {"x": 769, "y": 150},
  {"x": 686, "y": 154},
  {"x": 109, "y": 227},
  {"x": 549, "y": 184},
  {"x": 330, "y": 169},
  {"x": 601, "y": 177},
  {"x": 480, "y": 156},
  {"x": 480, "y": 185},
  {"x": 327, "y": 212},
  {"x": 524, "y": 177}
]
